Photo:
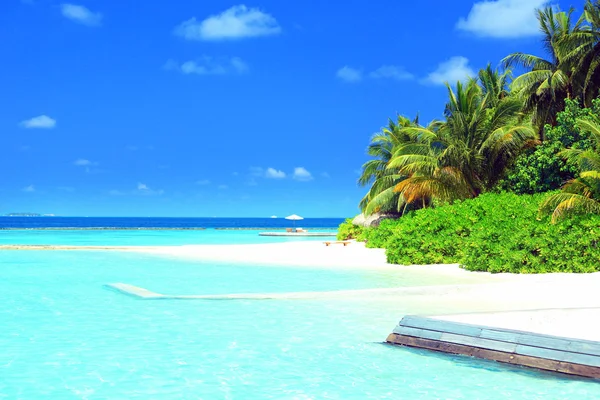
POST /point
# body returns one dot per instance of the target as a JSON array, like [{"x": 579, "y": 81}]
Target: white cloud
[
  {"x": 82, "y": 162},
  {"x": 81, "y": 14},
  {"x": 41, "y": 122},
  {"x": 301, "y": 174},
  {"x": 235, "y": 23},
  {"x": 222, "y": 187},
  {"x": 203, "y": 182},
  {"x": 391, "y": 72},
  {"x": 207, "y": 65},
  {"x": 503, "y": 18},
  {"x": 453, "y": 70},
  {"x": 29, "y": 189},
  {"x": 274, "y": 173},
  {"x": 349, "y": 74},
  {"x": 142, "y": 188}
]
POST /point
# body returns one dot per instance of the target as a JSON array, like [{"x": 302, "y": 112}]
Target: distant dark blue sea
[{"x": 164, "y": 223}]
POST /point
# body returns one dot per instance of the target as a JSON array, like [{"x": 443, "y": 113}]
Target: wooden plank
[
  {"x": 550, "y": 354},
  {"x": 506, "y": 335},
  {"x": 408, "y": 331},
  {"x": 529, "y": 339},
  {"x": 478, "y": 342},
  {"x": 516, "y": 359},
  {"x": 441, "y": 326},
  {"x": 585, "y": 347}
]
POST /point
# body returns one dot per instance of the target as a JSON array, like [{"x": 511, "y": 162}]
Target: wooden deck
[{"x": 546, "y": 352}]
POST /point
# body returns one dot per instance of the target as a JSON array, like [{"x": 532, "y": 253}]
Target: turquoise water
[
  {"x": 143, "y": 237},
  {"x": 64, "y": 336}
]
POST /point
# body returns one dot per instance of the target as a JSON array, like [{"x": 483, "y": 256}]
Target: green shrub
[
  {"x": 347, "y": 230},
  {"x": 495, "y": 233},
  {"x": 378, "y": 237},
  {"x": 541, "y": 169}
]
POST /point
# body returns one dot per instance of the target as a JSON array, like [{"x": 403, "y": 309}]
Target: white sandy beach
[
  {"x": 454, "y": 291},
  {"x": 570, "y": 303}
]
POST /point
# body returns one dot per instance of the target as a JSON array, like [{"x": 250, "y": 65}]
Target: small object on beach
[
  {"x": 345, "y": 243},
  {"x": 294, "y": 218}
]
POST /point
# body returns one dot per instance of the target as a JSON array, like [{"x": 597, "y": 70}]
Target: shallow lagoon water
[
  {"x": 66, "y": 336},
  {"x": 144, "y": 237}
]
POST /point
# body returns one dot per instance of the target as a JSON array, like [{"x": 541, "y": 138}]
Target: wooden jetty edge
[{"x": 545, "y": 352}]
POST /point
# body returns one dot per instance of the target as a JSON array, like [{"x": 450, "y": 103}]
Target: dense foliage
[
  {"x": 542, "y": 168},
  {"x": 531, "y": 134},
  {"x": 348, "y": 230},
  {"x": 580, "y": 195},
  {"x": 495, "y": 233}
]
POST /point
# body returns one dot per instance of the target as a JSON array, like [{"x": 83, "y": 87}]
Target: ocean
[
  {"x": 64, "y": 335},
  {"x": 162, "y": 223}
]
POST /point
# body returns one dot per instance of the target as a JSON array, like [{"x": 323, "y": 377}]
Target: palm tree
[
  {"x": 582, "y": 194},
  {"x": 548, "y": 81},
  {"x": 381, "y": 196},
  {"x": 583, "y": 52},
  {"x": 470, "y": 151}
]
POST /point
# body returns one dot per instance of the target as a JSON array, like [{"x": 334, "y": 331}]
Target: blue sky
[{"x": 220, "y": 108}]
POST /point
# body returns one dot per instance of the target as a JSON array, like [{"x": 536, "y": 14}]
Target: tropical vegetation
[
  {"x": 495, "y": 232},
  {"x": 536, "y": 135}
]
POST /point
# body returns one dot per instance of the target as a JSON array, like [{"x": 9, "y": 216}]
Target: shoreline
[
  {"x": 484, "y": 287},
  {"x": 428, "y": 290}
]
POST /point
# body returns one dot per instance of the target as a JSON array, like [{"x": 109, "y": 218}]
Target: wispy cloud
[
  {"x": 115, "y": 192},
  {"x": 40, "y": 122},
  {"x": 207, "y": 65},
  {"x": 203, "y": 182},
  {"x": 391, "y": 72},
  {"x": 82, "y": 162},
  {"x": 238, "y": 22},
  {"x": 29, "y": 189},
  {"x": 503, "y": 18},
  {"x": 81, "y": 14},
  {"x": 273, "y": 173},
  {"x": 349, "y": 74},
  {"x": 453, "y": 70},
  {"x": 87, "y": 165},
  {"x": 222, "y": 187},
  {"x": 144, "y": 189},
  {"x": 325, "y": 175},
  {"x": 301, "y": 174}
]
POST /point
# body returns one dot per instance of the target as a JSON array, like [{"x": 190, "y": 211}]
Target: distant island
[{"x": 28, "y": 215}]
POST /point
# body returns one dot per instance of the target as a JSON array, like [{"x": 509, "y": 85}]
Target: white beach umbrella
[{"x": 294, "y": 218}]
